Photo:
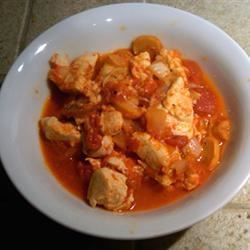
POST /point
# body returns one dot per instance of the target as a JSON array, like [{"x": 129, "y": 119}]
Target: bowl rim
[{"x": 69, "y": 19}]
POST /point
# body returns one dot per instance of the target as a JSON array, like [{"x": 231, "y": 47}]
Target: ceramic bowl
[{"x": 25, "y": 90}]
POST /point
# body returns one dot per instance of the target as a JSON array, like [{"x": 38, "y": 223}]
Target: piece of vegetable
[
  {"x": 222, "y": 130},
  {"x": 120, "y": 140},
  {"x": 191, "y": 181},
  {"x": 92, "y": 138},
  {"x": 128, "y": 108},
  {"x": 151, "y": 44},
  {"x": 119, "y": 58},
  {"x": 210, "y": 153},
  {"x": 131, "y": 126},
  {"x": 124, "y": 98},
  {"x": 193, "y": 147},
  {"x": 156, "y": 120},
  {"x": 177, "y": 141},
  {"x": 148, "y": 88},
  {"x": 205, "y": 105},
  {"x": 179, "y": 166},
  {"x": 194, "y": 73},
  {"x": 159, "y": 95}
]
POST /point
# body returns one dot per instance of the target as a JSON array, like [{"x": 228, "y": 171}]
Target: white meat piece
[
  {"x": 174, "y": 64},
  {"x": 178, "y": 100},
  {"x": 105, "y": 149},
  {"x": 76, "y": 77},
  {"x": 95, "y": 163},
  {"x": 111, "y": 121},
  {"x": 55, "y": 130},
  {"x": 118, "y": 163},
  {"x": 112, "y": 73},
  {"x": 164, "y": 180},
  {"x": 59, "y": 60},
  {"x": 85, "y": 64},
  {"x": 157, "y": 156},
  {"x": 179, "y": 106},
  {"x": 152, "y": 152},
  {"x": 140, "y": 63},
  {"x": 128, "y": 202},
  {"x": 160, "y": 70},
  {"x": 107, "y": 188}
]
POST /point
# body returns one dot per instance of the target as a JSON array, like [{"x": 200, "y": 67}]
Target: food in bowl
[{"x": 132, "y": 129}]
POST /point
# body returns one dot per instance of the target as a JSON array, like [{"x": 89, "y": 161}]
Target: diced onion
[
  {"x": 179, "y": 166},
  {"x": 193, "y": 147},
  {"x": 159, "y": 69},
  {"x": 156, "y": 121}
]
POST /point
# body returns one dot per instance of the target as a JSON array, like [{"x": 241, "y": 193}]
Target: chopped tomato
[
  {"x": 145, "y": 88},
  {"x": 92, "y": 136},
  {"x": 177, "y": 141},
  {"x": 206, "y": 103},
  {"x": 150, "y": 87},
  {"x": 194, "y": 74}
]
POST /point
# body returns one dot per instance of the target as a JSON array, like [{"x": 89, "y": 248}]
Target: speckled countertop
[{"x": 20, "y": 22}]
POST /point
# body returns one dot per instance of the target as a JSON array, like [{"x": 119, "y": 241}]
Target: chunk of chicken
[
  {"x": 76, "y": 77},
  {"x": 191, "y": 181},
  {"x": 111, "y": 121},
  {"x": 179, "y": 106},
  {"x": 115, "y": 68},
  {"x": 152, "y": 152},
  {"x": 95, "y": 163},
  {"x": 55, "y": 130},
  {"x": 59, "y": 60},
  {"x": 158, "y": 157},
  {"x": 163, "y": 179},
  {"x": 140, "y": 63},
  {"x": 107, "y": 188},
  {"x": 160, "y": 70},
  {"x": 112, "y": 73},
  {"x": 106, "y": 148},
  {"x": 118, "y": 163},
  {"x": 168, "y": 66},
  {"x": 78, "y": 108}
]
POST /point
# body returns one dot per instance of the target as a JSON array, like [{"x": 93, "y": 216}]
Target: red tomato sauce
[{"x": 66, "y": 165}]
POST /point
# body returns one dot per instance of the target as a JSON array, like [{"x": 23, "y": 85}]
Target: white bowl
[{"x": 25, "y": 90}]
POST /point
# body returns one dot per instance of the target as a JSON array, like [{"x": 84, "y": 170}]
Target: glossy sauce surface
[{"x": 65, "y": 162}]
